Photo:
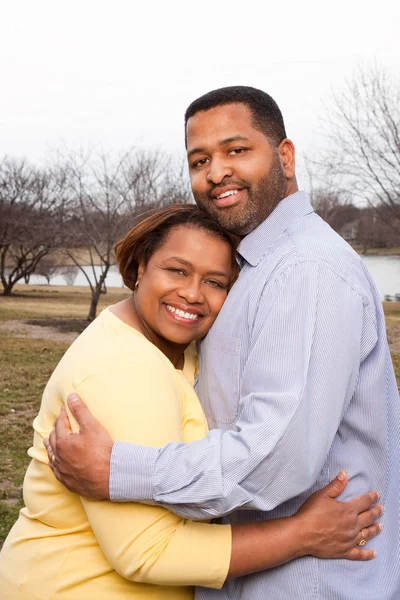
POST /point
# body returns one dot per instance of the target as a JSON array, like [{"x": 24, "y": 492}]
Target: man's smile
[{"x": 227, "y": 196}]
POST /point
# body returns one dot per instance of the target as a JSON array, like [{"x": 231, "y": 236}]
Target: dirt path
[
  {"x": 24, "y": 329},
  {"x": 21, "y": 329},
  {"x": 393, "y": 333}
]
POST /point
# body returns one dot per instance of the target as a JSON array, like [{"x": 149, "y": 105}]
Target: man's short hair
[{"x": 266, "y": 114}]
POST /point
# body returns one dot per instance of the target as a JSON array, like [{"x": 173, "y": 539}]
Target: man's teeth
[
  {"x": 182, "y": 313},
  {"x": 226, "y": 194}
]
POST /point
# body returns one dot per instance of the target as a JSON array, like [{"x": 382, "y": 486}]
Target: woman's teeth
[{"x": 181, "y": 313}]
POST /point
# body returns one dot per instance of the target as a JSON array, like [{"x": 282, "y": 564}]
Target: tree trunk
[
  {"x": 93, "y": 305},
  {"x": 7, "y": 289}
]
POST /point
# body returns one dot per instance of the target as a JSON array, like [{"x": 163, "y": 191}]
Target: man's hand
[{"x": 81, "y": 461}]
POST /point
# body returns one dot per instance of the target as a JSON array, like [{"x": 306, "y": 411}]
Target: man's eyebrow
[
  {"x": 195, "y": 151},
  {"x": 234, "y": 138},
  {"x": 229, "y": 140}
]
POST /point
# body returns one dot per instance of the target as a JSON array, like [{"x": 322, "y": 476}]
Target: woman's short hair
[{"x": 149, "y": 234}]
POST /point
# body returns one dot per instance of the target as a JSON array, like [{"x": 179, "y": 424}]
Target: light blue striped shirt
[{"x": 297, "y": 383}]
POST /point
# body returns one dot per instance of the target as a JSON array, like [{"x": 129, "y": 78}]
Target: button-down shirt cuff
[{"x": 131, "y": 473}]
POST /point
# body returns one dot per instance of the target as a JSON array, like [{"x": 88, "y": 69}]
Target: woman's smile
[
  {"x": 182, "y": 287},
  {"x": 182, "y": 314}
]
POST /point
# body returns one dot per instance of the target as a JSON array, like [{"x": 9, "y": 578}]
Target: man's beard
[{"x": 261, "y": 201}]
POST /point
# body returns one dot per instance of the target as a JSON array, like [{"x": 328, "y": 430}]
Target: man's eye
[
  {"x": 200, "y": 162},
  {"x": 237, "y": 151}
]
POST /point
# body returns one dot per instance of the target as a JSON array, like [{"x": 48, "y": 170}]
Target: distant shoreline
[{"x": 378, "y": 251}]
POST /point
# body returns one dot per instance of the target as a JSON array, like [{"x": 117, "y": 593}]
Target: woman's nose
[{"x": 192, "y": 292}]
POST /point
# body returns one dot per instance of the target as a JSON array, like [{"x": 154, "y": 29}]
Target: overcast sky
[{"x": 121, "y": 73}]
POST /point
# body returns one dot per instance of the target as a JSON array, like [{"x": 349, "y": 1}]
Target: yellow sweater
[{"x": 67, "y": 547}]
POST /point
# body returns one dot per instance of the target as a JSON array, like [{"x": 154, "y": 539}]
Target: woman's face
[{"x": 183, "y": 286}]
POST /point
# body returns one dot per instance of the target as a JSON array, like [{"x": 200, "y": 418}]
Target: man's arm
[
  {"x": 299, "y": 378},
  {"x": 297, "y": 383}
]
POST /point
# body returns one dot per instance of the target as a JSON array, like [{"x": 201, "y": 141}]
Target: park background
[{"x": 91, "y": 135}]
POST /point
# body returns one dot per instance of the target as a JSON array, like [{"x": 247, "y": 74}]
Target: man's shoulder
[{"x": 313, "y": 241}]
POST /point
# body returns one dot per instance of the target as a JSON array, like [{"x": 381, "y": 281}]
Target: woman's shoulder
[{"x": 108, "y": 341}]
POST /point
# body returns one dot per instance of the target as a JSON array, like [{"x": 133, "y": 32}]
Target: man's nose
[{"x": 219, "y": 168}]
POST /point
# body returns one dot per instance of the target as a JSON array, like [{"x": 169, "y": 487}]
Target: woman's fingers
[
  {"x": 361, "y": 554},
  {"x": 363, "y": 503},
  {"x": 366, "y": 534},
  {"x": 368, "y": 517}
]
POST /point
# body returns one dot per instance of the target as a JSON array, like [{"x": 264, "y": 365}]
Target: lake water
[
  {"x": 385, "y": 271},
  {"x": 113, "y": 279}
]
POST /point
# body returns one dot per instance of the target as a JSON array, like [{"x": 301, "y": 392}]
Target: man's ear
[{"x": 287, "y": 157}]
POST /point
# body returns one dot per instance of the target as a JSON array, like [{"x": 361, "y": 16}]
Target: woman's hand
[{"x": 329, "y": 528}]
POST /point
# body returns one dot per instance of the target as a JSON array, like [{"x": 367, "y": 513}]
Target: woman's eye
[
  {"x": 216, "y": 284},
  {"x": 177, "y": 271}
]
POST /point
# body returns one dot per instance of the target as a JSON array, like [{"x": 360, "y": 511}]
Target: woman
[{"x": 180, "y": 265}]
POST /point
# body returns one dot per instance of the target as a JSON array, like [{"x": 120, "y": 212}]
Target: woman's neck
[{"x": 126, "y": 312}]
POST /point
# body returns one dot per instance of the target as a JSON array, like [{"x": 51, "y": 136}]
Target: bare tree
[
  {"x": 105, "y": 193},
  {"x": 31, "y": 213},
  {"x": 69, "y": 274},
  {"x": 48, "y": 267},
  {"x": 336, "y": 210},
  {"x": 362, "y": 128}
]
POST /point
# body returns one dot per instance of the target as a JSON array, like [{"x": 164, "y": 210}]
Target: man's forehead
[
  {"x": 223, "y": 111},
  {"x": 228, "y": 122}
]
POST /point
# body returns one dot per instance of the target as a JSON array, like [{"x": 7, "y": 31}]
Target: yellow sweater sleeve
[{"x": 138, "y": 401}]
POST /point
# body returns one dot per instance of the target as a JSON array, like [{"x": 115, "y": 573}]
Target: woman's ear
[{"x": 141, "y": 269}]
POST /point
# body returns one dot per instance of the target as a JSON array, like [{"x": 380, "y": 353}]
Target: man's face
[{"x": 235, "y": 173}]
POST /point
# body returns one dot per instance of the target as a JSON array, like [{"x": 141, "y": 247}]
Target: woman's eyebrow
[
  {"x": 181, "y": 260},
  {"x": 189, "y": 264}
]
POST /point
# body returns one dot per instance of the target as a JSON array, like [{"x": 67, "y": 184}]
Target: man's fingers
[
  {"x": 62, "y": 426},
  {"x": 80, "y": 411},
  {"x": 52, "y": 441},
  {"x": 368, "y": 517},
  {"x": 50, "y": 451},
  {"x": 336, "y": 486},
  {"x": 56, "y": 472},
  {"x": 363, "y": 503}
]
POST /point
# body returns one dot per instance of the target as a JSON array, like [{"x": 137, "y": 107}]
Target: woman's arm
[
  {"x": 152, "y": 545},
  {"x": 149, "y": 544},
  {"x": 323, "y": 527}
]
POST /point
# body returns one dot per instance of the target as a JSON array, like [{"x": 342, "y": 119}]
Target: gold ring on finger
[
  {"x": 53, "y": 458},
  {"x": 362, "y": 542}
]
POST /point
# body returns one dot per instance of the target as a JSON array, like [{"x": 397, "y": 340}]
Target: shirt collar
[{"x": 254, "y": 246}]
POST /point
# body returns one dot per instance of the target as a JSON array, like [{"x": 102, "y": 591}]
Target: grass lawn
[{"x": 26, "y": 365}]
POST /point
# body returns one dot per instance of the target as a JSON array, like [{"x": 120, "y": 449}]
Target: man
[{"x": 295, "y": 375}]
